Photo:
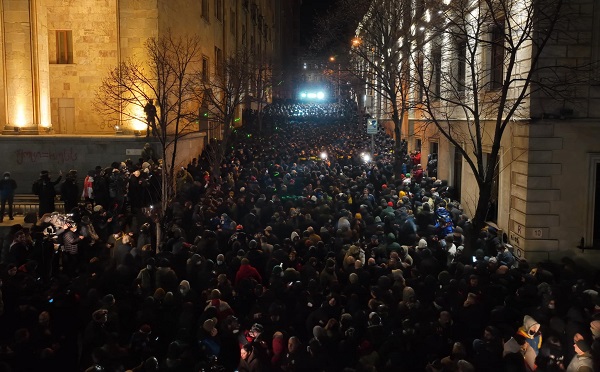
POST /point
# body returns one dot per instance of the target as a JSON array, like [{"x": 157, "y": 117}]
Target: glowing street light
[{"x": 323, "y": 156}]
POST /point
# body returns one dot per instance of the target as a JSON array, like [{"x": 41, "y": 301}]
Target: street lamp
[{"x": 338, "y": 88}]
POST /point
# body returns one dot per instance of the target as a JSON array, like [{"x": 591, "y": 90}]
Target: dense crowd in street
[
  {"x": 307, "y": 252},
  {"x": 312, "y": 112}
]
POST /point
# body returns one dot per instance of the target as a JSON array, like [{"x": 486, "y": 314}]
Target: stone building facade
[
  {"x": 54, "y": 55},
  {"x": 547, "y": 189}
]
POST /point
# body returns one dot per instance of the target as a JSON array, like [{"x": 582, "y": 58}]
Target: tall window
[
  {"x": 436, "y": 65},
  {"x": 420, "y": 92},
  {"x": 219, "y": 9},
  {"x": 218, "y": 61},
  {"x": 434, "y": 148},
  {"x": 205, "y": 13},
  {"x": 461, "y": 66},
  {"x": 205, "y": 68},
  {"x": 64, "y": 46},
  {"x": 497, "y": 56}
]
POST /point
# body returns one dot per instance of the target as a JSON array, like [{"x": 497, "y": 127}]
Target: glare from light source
[
  {"x": 313, "y": 95},
  {"x": 323, "y": 155},
  {"x": 366, "y": 157}
]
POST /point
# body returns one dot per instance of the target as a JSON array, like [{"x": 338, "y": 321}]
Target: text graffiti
[{"x": 64, "y": 156}]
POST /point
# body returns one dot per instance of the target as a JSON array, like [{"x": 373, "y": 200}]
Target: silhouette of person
[{"x": 150, "y": 111}]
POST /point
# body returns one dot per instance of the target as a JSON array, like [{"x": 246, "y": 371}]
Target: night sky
[{"x": 309, "y": 12}]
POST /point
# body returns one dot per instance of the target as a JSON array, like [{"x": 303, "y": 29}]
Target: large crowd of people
[
  {"x": 307, "y": 252},
  {"x": 310, "y": 111}
]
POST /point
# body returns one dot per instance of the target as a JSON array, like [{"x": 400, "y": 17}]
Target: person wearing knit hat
[
  {"x": 209, "y": 326},
  {"x": 159, "y": 294},
  {"x": 582, "y": 360}
]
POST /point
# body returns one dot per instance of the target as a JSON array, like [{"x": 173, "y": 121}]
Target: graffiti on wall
[{"x": 61, "y": 156}]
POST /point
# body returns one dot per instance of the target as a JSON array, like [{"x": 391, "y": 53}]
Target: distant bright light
[
  {"x": 323, "y": 155},
  {"x": 366, "y": 157},
  {"x": 313, "y": 95}
]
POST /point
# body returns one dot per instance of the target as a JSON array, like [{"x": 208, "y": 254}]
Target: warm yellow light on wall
[
  {"x": 45, "y": 113},
  {"x": 138, "y": 118},
  {"x": 20, "y": 120}
]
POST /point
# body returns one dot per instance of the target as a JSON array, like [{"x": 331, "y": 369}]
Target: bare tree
[
  {"x": 477, "y": 66},
  {"x": 222, "y": 95},
  {"x": 380, "y": 56},
  {"x": 262, "y": 85},
  {"x": 169, "y": 78}
]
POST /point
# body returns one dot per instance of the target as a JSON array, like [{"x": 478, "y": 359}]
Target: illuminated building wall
[
  {"x": 55, "y": 53},
  {"x": 18, "y": 64}
]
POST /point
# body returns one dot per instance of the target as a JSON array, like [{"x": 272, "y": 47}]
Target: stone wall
[{"x": 25, "y": 156}]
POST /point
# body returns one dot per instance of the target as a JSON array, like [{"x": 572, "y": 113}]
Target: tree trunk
[
  {"x": 478, "y": 220},
  {"x": 398, "y": 139}
]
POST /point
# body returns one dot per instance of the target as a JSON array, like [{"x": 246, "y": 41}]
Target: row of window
[
  {"x": 218, "y": 9},
  {"x": 64, "y": 53},
  {"x": 218, "y": 13}
]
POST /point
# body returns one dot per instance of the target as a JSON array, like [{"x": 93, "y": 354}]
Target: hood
[
  {"x": 184, "y": 285},
  {"x": 528, "y": 322}
]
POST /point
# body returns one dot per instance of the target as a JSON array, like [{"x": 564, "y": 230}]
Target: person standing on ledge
[
  {"x": 7, "y": 194},
  {"x": 150, "y": 111},
  {"x": 44, "y": 189}
]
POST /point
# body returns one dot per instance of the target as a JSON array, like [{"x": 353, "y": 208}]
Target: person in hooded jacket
[
  {"x": 531, "y": 331},
  {"x": 249, "y": 361}
]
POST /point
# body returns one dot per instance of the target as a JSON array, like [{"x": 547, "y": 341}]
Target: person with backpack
[{"x": 444, "y": 223}]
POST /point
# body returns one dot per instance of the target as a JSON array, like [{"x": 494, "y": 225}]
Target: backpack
[{"x": 444, "y": 221}]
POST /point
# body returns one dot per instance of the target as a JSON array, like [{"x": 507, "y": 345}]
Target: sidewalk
[{"x": 19, "y": 219}]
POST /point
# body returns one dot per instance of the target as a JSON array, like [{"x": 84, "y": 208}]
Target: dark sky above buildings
[{"x": 309, "y": 12}]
